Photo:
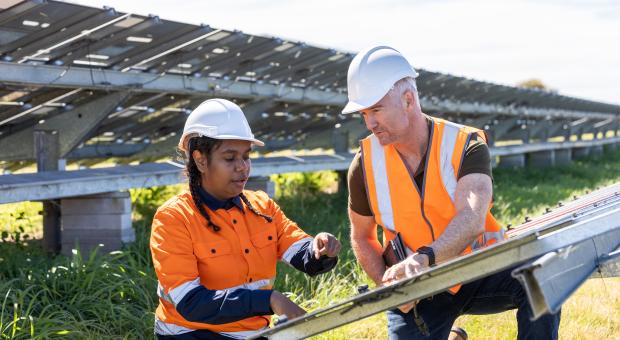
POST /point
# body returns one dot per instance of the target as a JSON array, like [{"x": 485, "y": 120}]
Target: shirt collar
[{"x": 214, "y": 203}]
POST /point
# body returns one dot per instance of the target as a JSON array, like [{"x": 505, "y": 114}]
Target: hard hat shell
[
  {"x": 219, "y": 119},
  {"x": 372, "y": 73}
]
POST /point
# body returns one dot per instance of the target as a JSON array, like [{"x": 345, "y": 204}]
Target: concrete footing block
[
  {"x": 542, "y": 159},
  {"x": 580, "y": 152},
  {"x": 512, "y": 161},
  {"x": 612, "y": 147},
  {"x": 597, "y": 151},
  {"x": 102, "y": 220},
  {"x": 563, "y": 157},
  {"x": 262, "y": 183}
]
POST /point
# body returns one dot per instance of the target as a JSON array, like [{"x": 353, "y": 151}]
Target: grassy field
[{"x": 114, "y": 295}]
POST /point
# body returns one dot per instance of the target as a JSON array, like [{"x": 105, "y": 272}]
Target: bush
[
  {"x": 303, "y": 184},
  {"x": 25, "y": 217},
  {"x": 145, "y": 201}
]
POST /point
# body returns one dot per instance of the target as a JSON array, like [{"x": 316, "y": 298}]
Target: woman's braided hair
[
  {"x": 206, "y": 145},
  {"x": 251, "y": 207}
]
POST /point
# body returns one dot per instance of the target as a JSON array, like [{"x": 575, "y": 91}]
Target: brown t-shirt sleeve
[
  {"x": 477, "y": 160},
  {"x": 358, "y": 198}
]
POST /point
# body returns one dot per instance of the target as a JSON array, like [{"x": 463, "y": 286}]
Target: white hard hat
[
  {"x": 372, "y": 74},
  {"x": 219, "y": 119}
]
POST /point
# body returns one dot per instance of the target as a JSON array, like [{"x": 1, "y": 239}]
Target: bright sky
[{"x": 573, "y": 46}]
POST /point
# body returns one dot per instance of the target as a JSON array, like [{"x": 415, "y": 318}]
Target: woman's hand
[
  {"x": 281, "y": 305},
  {"x": 325, "y": 244}
]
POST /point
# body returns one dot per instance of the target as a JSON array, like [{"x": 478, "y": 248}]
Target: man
[{"x": 428, "y": 180}]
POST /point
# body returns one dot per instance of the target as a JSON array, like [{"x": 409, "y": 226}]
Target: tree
[{"x": 533, "y": 84}]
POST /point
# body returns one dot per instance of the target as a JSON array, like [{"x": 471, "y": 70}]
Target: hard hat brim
[
  {"x": 352, "y": 107},
  {"x": 232, "y": 137},
  {"x": 183, "y": 142}
]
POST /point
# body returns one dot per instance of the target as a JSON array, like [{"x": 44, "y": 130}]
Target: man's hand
[
  {"x": 407, "y": 268},
  {"x": 411, "y": 266},
  {"x": 325, "y": 244},
  {"x": 281, "y": 305},
  {"x": 408, "y": 307}
]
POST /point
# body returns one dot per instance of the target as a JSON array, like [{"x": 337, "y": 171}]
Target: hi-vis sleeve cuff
[
  {"x": 196, "y": 303},
  {"x": 300, "y": 256}
]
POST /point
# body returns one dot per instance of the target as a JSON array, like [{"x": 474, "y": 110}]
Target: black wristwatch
[{"x": 429, "y": 252}]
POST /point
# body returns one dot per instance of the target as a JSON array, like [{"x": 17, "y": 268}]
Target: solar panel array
[{"x": 58, "y": 57}]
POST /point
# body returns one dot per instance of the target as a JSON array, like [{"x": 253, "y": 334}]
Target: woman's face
[{"x": 226, "y": 171}]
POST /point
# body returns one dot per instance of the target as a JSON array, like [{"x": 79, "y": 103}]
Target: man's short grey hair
[{"x": 403, "y": 85}]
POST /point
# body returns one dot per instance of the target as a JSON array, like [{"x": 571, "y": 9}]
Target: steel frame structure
[{"x": 57, "y": 57}]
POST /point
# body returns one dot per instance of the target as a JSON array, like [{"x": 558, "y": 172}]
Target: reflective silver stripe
[
  {"x": 242, "y": 334},
  {"x": 446, "y": 151},
  {"x": 254, "y": 285},
  {"x": 475, "y": 245},
  {"x": 382, "y": 186},
  {"x": 162, "y": 293},
  {"x": 164, "y": 328},
  {"x": 294, "y": 248},
  {"x": 178, "y": 293},
  {"x": 494, "y": 235},
  {"x": 488, "y": 236}
]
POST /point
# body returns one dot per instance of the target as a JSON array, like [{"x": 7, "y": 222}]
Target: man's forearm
[
  {"x": 464, "y": 228},
  {"x": 368, "y": 254}
]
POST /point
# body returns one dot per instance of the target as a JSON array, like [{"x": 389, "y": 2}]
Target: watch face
[{"x": 428, "y": 251}]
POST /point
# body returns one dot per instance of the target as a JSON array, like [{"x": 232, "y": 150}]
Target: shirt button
[
  {"x": 212, "y": 251},
  {"x": 250, "y": 279},
  {"x": 247, "y": 251},
  {"x": 234, "y": 221},
  {"x": 269, "y": 237}
]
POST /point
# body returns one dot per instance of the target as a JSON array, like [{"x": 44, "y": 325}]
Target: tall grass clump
[{"x": 85, "y": 295}]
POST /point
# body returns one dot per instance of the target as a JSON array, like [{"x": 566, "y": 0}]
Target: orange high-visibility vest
[
  {"x": 243, "y": 254},
  {"x": 421, "y": 214}
]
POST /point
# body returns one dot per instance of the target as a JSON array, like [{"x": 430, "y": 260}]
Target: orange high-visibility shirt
[{"x": 243, "y": 254}]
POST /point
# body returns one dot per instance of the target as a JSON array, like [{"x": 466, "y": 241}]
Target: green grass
[
  {"x": 527, "y": 192},
  {"x": 109, "y": 296},
  {"x": 23, "y": 217},
  {"x": 114, "y": 295}
]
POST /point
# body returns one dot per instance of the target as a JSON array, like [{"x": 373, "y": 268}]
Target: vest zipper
[{"x": 423, "y": 189}]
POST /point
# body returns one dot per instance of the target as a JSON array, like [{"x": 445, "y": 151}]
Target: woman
[{"x": 215, "y": 247}]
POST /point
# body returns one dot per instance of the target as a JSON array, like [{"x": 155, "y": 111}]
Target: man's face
[
  {"x": 386, "y": 119},
  {"x": 225, "y": 174}
]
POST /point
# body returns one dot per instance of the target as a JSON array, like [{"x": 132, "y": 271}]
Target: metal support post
[{"x": 46, "y": 150}]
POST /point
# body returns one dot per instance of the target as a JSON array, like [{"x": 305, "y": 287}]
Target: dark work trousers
[{"x": 493, "y": 294}]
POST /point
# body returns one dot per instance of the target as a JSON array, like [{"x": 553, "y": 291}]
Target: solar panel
[{"x": 57, "y": 57}]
